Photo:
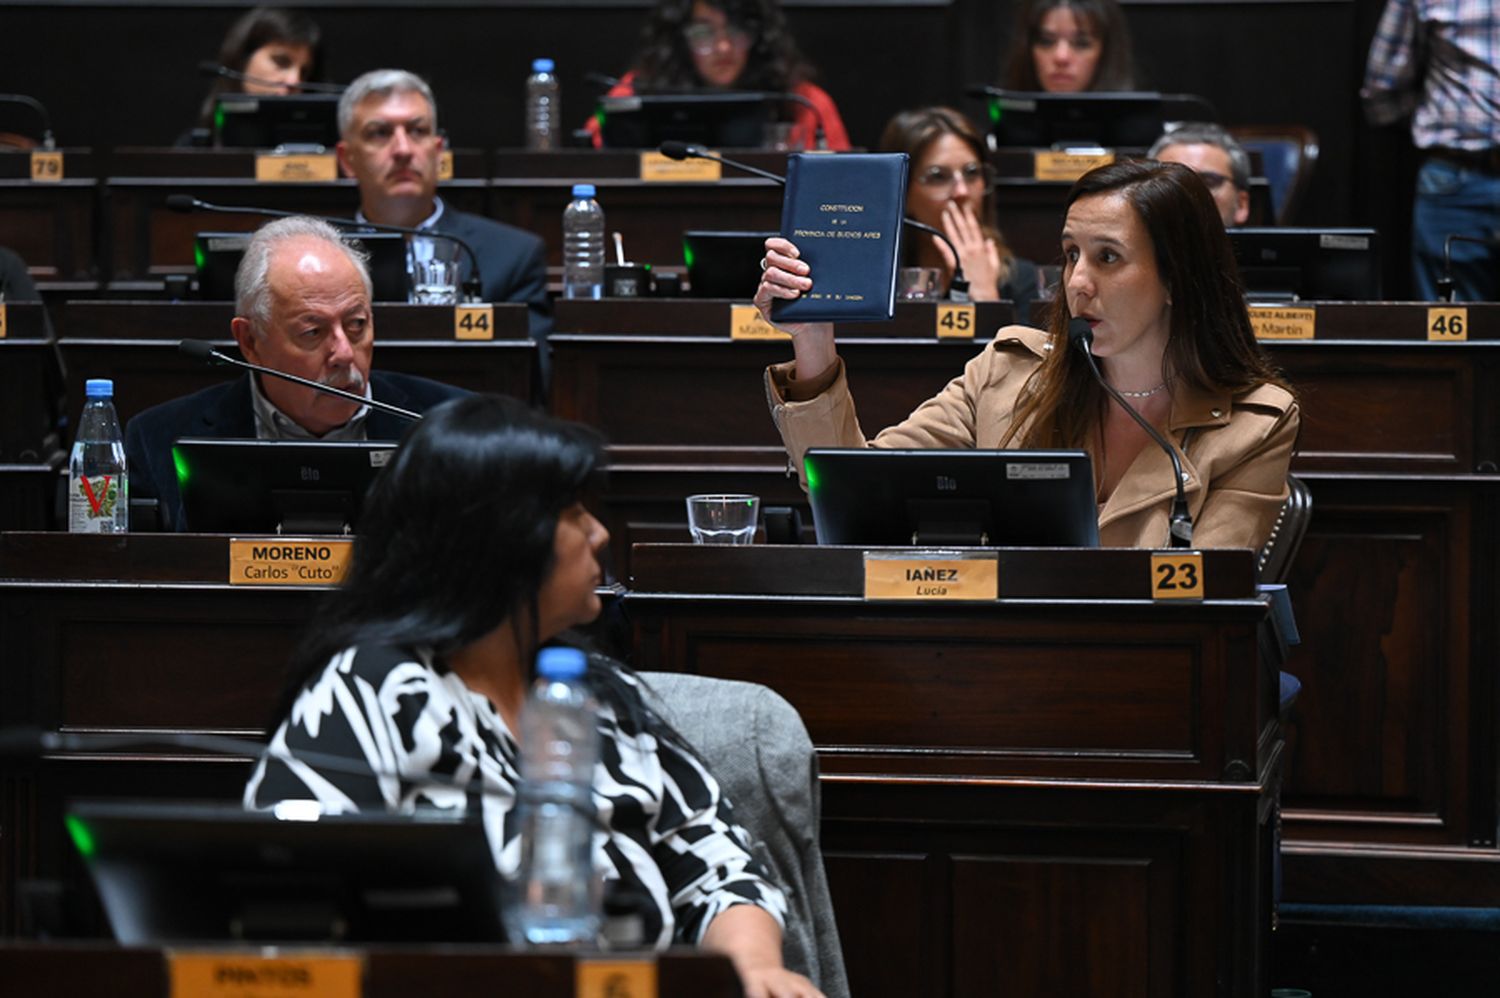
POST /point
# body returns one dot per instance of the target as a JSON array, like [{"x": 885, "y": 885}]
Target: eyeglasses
[
  {"x": 703, "y": 38},
  {"x": 938, "y": 181}
]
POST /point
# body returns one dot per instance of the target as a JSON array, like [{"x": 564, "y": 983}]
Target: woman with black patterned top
[{"x": 474, "y": 551}]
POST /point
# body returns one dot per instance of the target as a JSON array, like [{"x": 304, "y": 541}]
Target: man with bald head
[{"x": 302, "y": 304}]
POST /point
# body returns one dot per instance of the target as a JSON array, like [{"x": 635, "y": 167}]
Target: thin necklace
[{"x": 1142, "y": 395}]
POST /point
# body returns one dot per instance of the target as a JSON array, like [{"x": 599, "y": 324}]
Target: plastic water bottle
[
  {"x": 583, "y": 245},
  {"x": 98, "y": 493},
  {"x": 543, "y": 107},
  {"x": 557, "y": 898}
]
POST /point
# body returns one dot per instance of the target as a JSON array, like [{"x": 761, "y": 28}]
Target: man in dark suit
[
  {"x": 391, "y": 144},
  {"x": 302, "y": 303}
]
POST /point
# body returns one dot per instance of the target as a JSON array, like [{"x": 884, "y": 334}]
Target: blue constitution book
[{"x": 843, "y": 212}]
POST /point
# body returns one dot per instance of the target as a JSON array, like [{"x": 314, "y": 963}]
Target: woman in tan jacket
[{"x": 1147, "y": 264}]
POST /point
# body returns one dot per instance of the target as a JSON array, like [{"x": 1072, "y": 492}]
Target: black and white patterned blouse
[{"x": 664, "y": 829}]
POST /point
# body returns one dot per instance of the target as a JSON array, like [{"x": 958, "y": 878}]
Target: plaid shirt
[{"x": 1441, "y": 59}]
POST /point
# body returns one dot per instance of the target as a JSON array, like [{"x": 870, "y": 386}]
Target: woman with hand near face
[
  {"x": 1070, "y": 46},
  {"x": 1148, "y": 265},
  {"x": 276, "y": 49},
  {"x": 474, "y": 551},
  {"x": 950, "y": 190},
  {"x": 692, "y": 45}
]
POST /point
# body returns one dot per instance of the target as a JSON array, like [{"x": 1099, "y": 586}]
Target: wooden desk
[
  {"x": 136, "y": 344},
  {"x": 51, "y": 223},
  {"x": 387, "y": 972},
  {"x": 1067, "y": 788},
  {"x": 148, "y": 239},
  {"x": 531, "y": 189}
]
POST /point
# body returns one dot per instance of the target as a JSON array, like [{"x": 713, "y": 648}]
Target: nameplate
[
  {"x": 46, "y": 166},
  {"x": 247, "y": 975},
  {"x": 445, "y": 165},
  {"x": 1272, "y": 323},
  {"x": 309, "y": 168},
  {"x": 4, "y": 320},
  {"x": 1448, "y": 325},
  {"x": 955, "y": 322},
  {"x": 615, "y": 979},
  {"x": 745, "y": 323},
  {"x": 289, "y": 561},
  {"x": 474, "y": 322},
  {"x": 1177, "y": 575},
  {"x": 932, "y": 576},
  {"x": 658, "y": 169},
  {"x": 1050, "y": 165}
]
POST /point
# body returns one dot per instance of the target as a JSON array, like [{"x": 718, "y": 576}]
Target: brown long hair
[
  {"x": 1104, "y": 18},
  {"x": 913, "y": 132},
  {"x": 1210, "y": 343}
]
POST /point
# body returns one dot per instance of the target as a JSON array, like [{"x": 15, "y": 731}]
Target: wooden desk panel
[
  {"x": 51, "y": 224},
  {"x": 148, "y": 239}
]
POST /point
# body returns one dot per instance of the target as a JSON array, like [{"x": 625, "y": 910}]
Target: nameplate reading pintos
[
  {"x": 283, "y": 561},
  {"x": 936, "y": 575},
  {"x": 204, "y": 974}
]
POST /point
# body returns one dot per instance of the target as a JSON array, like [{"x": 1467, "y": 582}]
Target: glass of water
[
  {"x": 723, "y": 519},
  {"x": 432, "y": 265}
]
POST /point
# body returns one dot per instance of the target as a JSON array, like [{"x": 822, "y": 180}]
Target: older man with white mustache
[{"x": 302, "y": 303}]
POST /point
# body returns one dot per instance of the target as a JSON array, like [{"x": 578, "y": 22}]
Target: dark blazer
[
  {"x": 512, "y": 264},
  {"x": 225, "y": 412}
]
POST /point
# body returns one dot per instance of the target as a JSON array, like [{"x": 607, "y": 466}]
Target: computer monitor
[
  {"x": 1122, "y": 120},
  {"x": 170, "y": 873},
  {"x": 251, "y": 121},
  {"x": 723, "y": 264},
  {"x": 721, "y": 120},
  {"x": 952, "y": 498},
  {"x": 1308, "y": 264},
  {"x": 275, "y": 486},
  {"x": 218, "y": 255}
]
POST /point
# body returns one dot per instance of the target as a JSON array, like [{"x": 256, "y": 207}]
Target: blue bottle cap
[
  {"x": 561, "y": 663},
  {"x": 542, "y": 65},
  {"x": 99, "y": 388},
  {"x": 583, "y": 190}
]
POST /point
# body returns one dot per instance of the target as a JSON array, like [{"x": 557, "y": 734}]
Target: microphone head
[
  {"x": 676, "y": 149},
  {"x": 210, "y": 67},
  {"x": 196, "y": 349},
  {"x": 1080, "y": 334},
  {"x": 184, "y": 203}
]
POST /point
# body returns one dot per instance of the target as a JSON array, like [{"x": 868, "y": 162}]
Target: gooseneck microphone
[
  {"x": 1180, "y": 520},
  {"x": 820, "y": 138},
  {"x": 201, "y": 351},
  {"x": 210, "y": 68},
  {"x": 48, "y": 142},
  {"x": 473, "y": 285},
  {"x": 1445, "y": 283},
  {"x": 958, "y": 289}
]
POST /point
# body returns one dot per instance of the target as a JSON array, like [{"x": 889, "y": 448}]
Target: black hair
[
  {"x": 773, "y": 63},
  {"x": 257, "y": 28},
  {"x": 456, "y": 537}
]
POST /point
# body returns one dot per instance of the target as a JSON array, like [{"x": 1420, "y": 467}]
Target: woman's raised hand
[
  {"x": 786, "y": 276},
  {"x": 976, "y": 251}
]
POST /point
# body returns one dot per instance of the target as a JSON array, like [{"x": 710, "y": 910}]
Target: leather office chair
[
  {"x": 1280, "y": 550},
  {"x": 758, "y": 748},
  {"x": 1288, "y": 155}
]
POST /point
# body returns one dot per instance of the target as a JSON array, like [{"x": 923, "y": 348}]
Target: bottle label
[{"x": 93, "y": 502}]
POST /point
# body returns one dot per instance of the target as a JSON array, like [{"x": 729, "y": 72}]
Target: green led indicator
[
  {"x": 994, "y": 111},
  {"x": 812, "y": 475},
  {"x": 599, "y": 117},
  {"x": 180, "y": 464},
  {"x": 218, "y": 119},
  {"x": 200, "y": 258},
  {"x": 83, "y": 838},
  {"x": 687, "y": 255}
]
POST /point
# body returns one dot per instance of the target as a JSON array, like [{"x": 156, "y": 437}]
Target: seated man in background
[
  {"x": 302, "y": 305},
  {"x": 1214, "y": 155},
  {"x": 390, "y": 144}
]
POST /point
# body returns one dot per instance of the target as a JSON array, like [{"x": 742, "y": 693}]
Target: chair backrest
[
  {"x": 758, "y": 749},
  {"x": 1280, "y": 550},
  {"x": 1288, "y": 155}
]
